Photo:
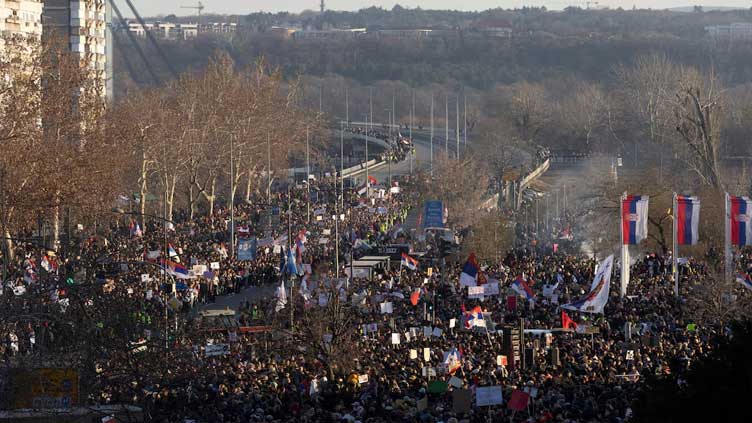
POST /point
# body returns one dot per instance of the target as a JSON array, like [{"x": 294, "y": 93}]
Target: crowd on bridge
[{"x": 412, "y": 353}]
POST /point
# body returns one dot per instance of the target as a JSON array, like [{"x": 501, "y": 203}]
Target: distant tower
[{"x": 323, "y": 7}]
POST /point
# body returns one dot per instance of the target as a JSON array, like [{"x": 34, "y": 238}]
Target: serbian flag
[
  {"x": 415, "y": 296},
  {"x": 469, "y": 274},
  {"x": 171, "y": 251},
  {"x": 740, "y": 209},
  {"x": 634, "y": 218},
  {"x": 521, "y": 287},
  {"x": 745, "y": 279},
  {"x": 475, "y": 318},
  {"x": 566, "y": 321},
  {"x": 176, "y": 269},
  {"x": 409, "y": 262},
  {"x": 687, "y": 219}
]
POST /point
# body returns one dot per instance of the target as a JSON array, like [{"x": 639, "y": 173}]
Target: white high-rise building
[
  {"x": 20, "y": 20},
  {"x": 84, "y": 23}
]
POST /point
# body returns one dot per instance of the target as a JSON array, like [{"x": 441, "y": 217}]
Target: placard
[
  {"x": 427, "y": 331},
  {"x": 387, "y": 308},
  {"x": 488, "y": 395},
  {"x": 215, "y": 265},
  {"x": 455, "y": 382},
  {"x": 426, "y": 354},
  {"x": 437, "y": 332},
  {"x": 452, "y": 323},
  {"x": 501, "y": 360},
  {"x": 395, "y": 339},
  {"x": 413, "y": 354},
  {"x": 214, "y": 350},
  {"x": 475, "y": 292},
  {"x": 362, "y": 379}
]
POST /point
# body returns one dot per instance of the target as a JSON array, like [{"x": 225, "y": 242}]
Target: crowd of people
[{"x": 411, "y": 354}]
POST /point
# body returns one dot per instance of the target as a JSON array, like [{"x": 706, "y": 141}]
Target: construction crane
[{"x": 199, "y": 8}]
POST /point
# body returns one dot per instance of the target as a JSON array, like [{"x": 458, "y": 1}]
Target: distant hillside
[{"x": 689, "y": 9}]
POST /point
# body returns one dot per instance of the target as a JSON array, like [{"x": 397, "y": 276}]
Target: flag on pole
[
  {"x": 415, "y": 297},
  {"x": 521, "y": 287},
  {"x": 634, "y": 212},
  {"x": 171, "y": 251},
  {"x": 409, "y": 262},
  {"x": 469, "y": 274},
  {"x": 745, "y": 279},
  {"x": 281, "y": 295},
  {"x": 566, "y": 321},
  {"x": 475, "y": 318},
  {"x": 292, "y": 268},
  {"x": 687, "y": 218},
  {"x": 740, "y": 212},
  {"x": 596, "y": 300},
  {"x": 175, "y": 269}
]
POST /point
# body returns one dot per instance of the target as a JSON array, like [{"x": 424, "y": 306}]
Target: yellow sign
[
  {"x": 430, "y": 271},
  {"x": 44, "y": 388}
]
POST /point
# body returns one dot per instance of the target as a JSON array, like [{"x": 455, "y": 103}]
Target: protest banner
[
  {"x": 475, "y": 292},
  {"x": 214, "y": 350},
  {"x": 488, "y": 395}
]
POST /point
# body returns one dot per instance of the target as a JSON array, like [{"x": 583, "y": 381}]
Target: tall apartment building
[
  {"x": 85, "y": 25},
  {"x": 20, "y": 20}
]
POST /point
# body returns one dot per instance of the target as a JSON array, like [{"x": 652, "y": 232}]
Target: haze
[{"x": 152, "y": 7}]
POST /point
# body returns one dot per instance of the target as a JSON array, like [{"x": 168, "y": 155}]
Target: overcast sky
[{"x": 154, "y": 7}]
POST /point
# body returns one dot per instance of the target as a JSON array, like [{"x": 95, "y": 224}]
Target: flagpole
[
  {"x": 727, "y": 245},
  {"x": 308, "y": 175},
  {"x": 675, "y": 258},
  {"x": 624, "y": 250}
]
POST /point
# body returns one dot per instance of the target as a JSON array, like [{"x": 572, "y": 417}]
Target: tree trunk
[
  {"x": 248, "y": 184},
  {"x": 56, "y": 223},
  {"x": 143, "y": 190},
  {"x": 191, "y": 201}
]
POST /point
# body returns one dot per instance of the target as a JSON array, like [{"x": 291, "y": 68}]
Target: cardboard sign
[
  {"x": 501, "y": 360},
  {"x": 455, "y": 382},
  {"x": 214, "y": 350},
  {"x": 488, "y": 395},
  {"x": 475, "y": 292},
  {"x": 462, "y": 400},
  {"x": 395, "y": 339}
]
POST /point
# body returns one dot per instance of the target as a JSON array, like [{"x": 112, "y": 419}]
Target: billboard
[
  {"x": 43, "y": 388},
  {"x": 433, "y": 215}
]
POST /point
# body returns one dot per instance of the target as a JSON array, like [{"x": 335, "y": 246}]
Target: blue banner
[
  {"x": 433, "y": 215},
  {"x": 247, "y": 249}
]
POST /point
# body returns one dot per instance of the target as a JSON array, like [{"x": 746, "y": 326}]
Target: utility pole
[
  {"x": 446, "y": 129},
  {"x": 308, "y": 174},
  {"x": 232, "y": 195},
  {"x": 412, "y": 117},
  {"x": 431, "y": 135},
  {"x": 347, "y": 107},
  {"x": 342, "y": 161},
  {"x": 457, "y": 126}
]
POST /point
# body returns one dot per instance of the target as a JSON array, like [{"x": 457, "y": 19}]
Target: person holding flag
[
  {"x": 409, "y": 262},
  {"x": 522, "y": 288},
  {"x": 469, "y": 275}
]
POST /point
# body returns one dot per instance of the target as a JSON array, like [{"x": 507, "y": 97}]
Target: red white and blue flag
[
  {"x": 634, "y": 218},
  {"x": 740, "y": 209},
  {"x": 409, "y": 262},
  {"x": 171, "y": 251},
  {"x": 176, "y": 269},
  {"x": 475, "y": 318},
  {"x": 135, "y": 229},
  {"x": 469, "y": 275},
  {"x": 745, "y": 279},
  {"x": 522, "y": 288},
  {"x": 687, "y": 220}
]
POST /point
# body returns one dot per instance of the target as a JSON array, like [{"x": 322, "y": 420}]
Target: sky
[{"x": 165, "y": 7}]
